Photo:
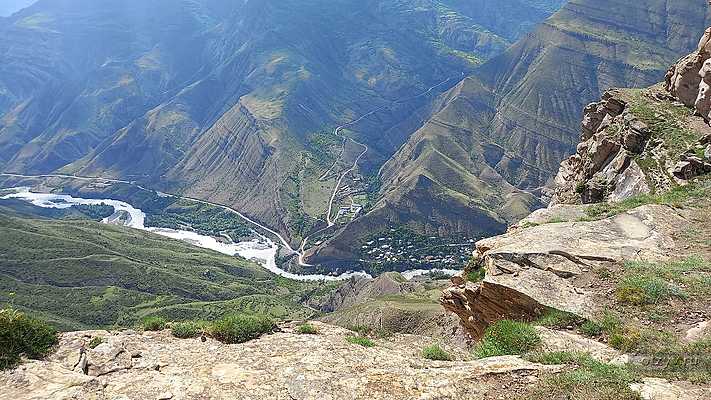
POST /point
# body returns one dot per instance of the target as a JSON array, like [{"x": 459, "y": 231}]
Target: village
[{"x": 399, "y": 249}]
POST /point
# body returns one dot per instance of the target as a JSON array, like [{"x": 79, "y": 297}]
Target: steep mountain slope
[
  {"x": 222, "y": 99},
  {"x": 507, "y": 127}
]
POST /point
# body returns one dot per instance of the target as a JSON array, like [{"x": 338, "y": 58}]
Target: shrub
[
  {"x": 95, "y": 342},
  {"x": 507, "y": 337},
  {"x": 20, "y": 334},
  {"x": 580, "y": 187},
  {"x": 360, "y": 340},
  {"x": 476, "y": 275},
  {"x": 188, "y": 329},
  {"x": 241, "y": 328},
  {"x": 153, "y": 324},
  {"x": 307, "y": 329},
  {"x": 436, "y": 353}
]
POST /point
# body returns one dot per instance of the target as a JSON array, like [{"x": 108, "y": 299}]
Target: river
[{"x": 262, "y": 250}]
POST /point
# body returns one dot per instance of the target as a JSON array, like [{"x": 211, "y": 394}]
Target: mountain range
[{"x": 474, "y": 103}]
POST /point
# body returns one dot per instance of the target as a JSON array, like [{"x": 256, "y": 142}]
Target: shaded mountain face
[
  {"x": 491, "y": 142},
  {"x": 9, "y": 7},
  {"x": 230, "y": 101}
]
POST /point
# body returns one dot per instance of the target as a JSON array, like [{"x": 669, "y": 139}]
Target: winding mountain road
[{"x": 337, "y": 132}]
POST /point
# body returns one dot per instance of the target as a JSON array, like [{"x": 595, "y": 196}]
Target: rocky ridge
[{"x": 284, "y": 365}]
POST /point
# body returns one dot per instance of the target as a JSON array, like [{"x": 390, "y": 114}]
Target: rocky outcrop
[
  {"x": 358, "y": 290},
  {"x": 603, "y": 166},
  {"x": 688, "y": 80},
  {"x": 531, "y": 270},
  {"x": 661, "y": 389},
  {"x": 633, "y": 143},
  {"x": 284, "y": 365}
]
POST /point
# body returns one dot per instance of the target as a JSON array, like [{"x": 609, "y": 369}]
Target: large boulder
[
  {"x": 684, "y": 77},
  {"x": 549, "y": 266}
]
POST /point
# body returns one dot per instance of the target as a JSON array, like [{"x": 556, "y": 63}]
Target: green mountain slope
[{"x": 81, "y": 274}]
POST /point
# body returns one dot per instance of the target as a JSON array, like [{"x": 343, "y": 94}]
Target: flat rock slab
[
  {"x": 283, "y": 365},
  {"x": 661, "y": 389},
  {"x": 529, "y": 270},
  {"x": 542, "y": 262}
]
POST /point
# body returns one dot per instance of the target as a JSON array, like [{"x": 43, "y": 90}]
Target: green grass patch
[
  {"x": 556, "y": 319},
  {"x": 641, "y": 289},
  {"x": 676, "y": 197},
  {"x": 95, "y": 342},
  {"x": 436, "y": 352},
  {"x": 588, "y": 379},
  {"x": 307, "y": 329},
  {"x": 188, "y": 329},
  {"x": 673, "y": 361},
  {"x": 23, "y": 335},
  {"x": 690, "y": 273},
  {"x": 507, "y": 337},
  {"x": 153, "y": 323},
  {"x": 241, "y": 328},
  {"x": 591, "y": 328},
  {"x": 360, "y": 340},
  {"x": 667, "y": 121}
]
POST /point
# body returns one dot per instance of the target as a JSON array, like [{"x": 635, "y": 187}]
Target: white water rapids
[{"x": 262, "y": 250}]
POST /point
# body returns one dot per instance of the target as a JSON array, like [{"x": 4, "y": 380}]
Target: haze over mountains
[
  {"x": 9, "y": 7},
  {"x": 236, "y": 102}
]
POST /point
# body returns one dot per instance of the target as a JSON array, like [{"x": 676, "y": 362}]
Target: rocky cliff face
[{"x": 637, "y": 142}]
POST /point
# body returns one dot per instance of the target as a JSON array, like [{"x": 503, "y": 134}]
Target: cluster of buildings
[{"x": 401, "y": 248}]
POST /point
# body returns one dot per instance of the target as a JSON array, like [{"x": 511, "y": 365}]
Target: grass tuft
[
  {"x": 556, "y": 319},
  {"x": 436, "y": 352},
  {"x": 153, "y": 324},
  {"x": 307, "y": 329},
  {"x": 507, "y": 337},
  {"x": 95, "y": 342},
  {"x": 188, "y": 329},
  {"x": 360, "y": 340}
]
